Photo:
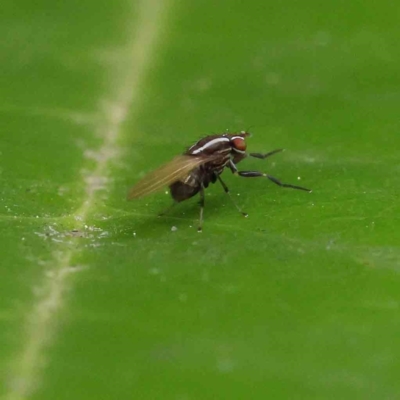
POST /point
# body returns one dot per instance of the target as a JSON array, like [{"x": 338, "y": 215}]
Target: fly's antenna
[{"x": 249, "y": 129}]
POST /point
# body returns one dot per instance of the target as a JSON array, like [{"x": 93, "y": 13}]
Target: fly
[{"x": 202, "y": 164}]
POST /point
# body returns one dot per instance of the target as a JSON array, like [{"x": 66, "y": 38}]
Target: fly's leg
[
  {"x": 263, "y": 156},
  {"x": 229, "y": 194},
  {"x": 256, "y": 174},
  {"x": 201, "y": 203}
]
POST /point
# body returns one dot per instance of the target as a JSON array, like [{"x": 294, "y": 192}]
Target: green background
[{"x": 101, "y": 299}]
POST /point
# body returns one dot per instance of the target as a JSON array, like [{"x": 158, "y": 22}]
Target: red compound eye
[{"x": 239, "y": 143}]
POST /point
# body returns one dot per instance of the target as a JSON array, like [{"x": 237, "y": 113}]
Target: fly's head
[{"x": 238, "y": 144}]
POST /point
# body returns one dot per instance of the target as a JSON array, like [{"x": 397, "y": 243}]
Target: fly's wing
[{"x": 176, "y": 169}]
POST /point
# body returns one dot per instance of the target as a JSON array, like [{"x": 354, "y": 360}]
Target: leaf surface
[{"x": 102, "y": 299}]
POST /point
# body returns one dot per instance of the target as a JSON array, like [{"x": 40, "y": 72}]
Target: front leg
[
  {"x": 265, "y": 155},
  {"x": 257, "y": 174}
]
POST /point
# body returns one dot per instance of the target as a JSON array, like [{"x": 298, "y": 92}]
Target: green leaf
[{"x": 103, "y": 299}]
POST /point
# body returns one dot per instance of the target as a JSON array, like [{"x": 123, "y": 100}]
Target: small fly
[{"x": 202, "y": 164}]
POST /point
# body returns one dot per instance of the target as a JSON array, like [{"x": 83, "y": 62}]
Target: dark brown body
[
  {"x": 200, "y": 177},
  {"x": 202, "y": 164}
]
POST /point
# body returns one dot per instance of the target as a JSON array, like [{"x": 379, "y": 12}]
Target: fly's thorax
[
  {"x": 215, "y": 144},
  {"x": 226, "y": 147},
  {"x": 217, "y": 166},
  {"x": 229, "y": 143}
]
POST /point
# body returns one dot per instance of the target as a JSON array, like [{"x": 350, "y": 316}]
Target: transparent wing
[{"x": 176, "y": 169}]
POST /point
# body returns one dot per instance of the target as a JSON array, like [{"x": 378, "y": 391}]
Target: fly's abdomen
[
  {"x": 187, "y": 187},
  {"x": 182, "y": 191}
]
